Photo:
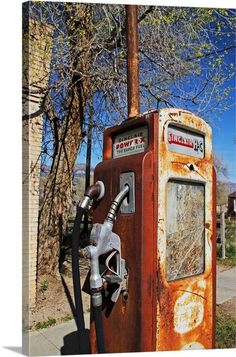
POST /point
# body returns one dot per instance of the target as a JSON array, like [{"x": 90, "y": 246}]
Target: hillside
[
  {"x": 79, "y": 170},
  {"x": 232, "y": 187}
]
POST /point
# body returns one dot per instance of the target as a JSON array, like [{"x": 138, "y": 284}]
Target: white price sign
[
  {"x": 185, "y": 142},
  {"x": 131, "y": 142}
]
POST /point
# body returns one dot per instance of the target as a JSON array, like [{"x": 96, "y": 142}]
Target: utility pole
[{"x": 132, "y": 61}]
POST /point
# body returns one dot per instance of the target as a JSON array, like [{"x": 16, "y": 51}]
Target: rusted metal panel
[
  {"x": 185, "y": 316},
  {"x": 162, "y": 312},
  {"x": 132, "y": 61},
  {"x": 214, "y": 219},
  {"x": 130, "y": 326}
]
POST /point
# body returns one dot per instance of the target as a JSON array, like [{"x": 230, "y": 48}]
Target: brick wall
[{"x": 37, "y": 44}]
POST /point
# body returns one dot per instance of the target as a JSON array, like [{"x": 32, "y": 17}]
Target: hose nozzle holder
[{"x": 95, "y": 191}]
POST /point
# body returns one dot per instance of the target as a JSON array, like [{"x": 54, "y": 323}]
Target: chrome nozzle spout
[{"x": 111, "y": 216}]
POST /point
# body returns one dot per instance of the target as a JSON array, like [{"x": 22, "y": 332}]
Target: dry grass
[{"x": 226, "y": 325}]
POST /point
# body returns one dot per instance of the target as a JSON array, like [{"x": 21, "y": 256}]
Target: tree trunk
[
  {"x": 57, "y": 196},
  {"x": 54, "y": 211}
]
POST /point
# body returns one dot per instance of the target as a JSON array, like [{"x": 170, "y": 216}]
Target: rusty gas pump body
[{"x": 167, "y": 232}]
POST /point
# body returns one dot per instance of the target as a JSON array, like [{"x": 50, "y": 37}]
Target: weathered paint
[
  {"x": 133, "y": 322},
  {"x": 159, "y": 314},
  {"x": 132, "y": 61},
  {"x": 185, "y": 305},
  {"x": 188, "y": 312},
  {"x": 214, "y": 256},
  {"x": 193, "y": 346}
]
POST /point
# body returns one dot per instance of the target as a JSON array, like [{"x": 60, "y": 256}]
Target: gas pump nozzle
[{"x": 103, "y": 241}]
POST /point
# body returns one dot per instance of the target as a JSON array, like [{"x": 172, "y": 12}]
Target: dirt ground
[
  {"x": 55, "y": 296},
  {"x": 221, "y": 267},
  {"x": 226, "y": 324},
  {"x": 228, "y": 307}
]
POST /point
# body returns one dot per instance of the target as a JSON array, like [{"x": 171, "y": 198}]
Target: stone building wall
[{"x": 37, "y": 45}]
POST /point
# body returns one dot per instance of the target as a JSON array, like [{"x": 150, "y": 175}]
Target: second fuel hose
[{"x": 84, "y": 346}]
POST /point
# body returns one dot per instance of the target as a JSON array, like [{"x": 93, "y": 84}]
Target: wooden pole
[{"x": 132, "y": 61}]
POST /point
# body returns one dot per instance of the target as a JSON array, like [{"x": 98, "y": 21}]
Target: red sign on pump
[{"x": 185, "y": 142}]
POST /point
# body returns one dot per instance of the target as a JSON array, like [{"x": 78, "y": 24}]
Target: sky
[{"x": 224, "y": 141}]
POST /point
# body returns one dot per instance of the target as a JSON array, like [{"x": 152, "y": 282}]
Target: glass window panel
[{"x": 185, "y": 229}]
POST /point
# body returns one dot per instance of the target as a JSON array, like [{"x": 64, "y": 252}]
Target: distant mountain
[
  {"x": 232, "y": 187},
  {"x": 79, "y": 170},
  {"x": 45, "y": 170},
  {"x": 229, "y": 186}
]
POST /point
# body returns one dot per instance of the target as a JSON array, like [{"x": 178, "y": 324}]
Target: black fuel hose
[
  {"x": 83, "y": 341},
  {"x": 84, "y": 346},
  {"x": 97, "y": 314}
]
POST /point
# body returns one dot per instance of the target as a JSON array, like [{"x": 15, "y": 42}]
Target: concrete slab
[
  {"x": 38, "y": 345},
  {"x": 55, "y": 335},
  {"x": 54, "y": 341},
  {"x": 225, "y": 285}
]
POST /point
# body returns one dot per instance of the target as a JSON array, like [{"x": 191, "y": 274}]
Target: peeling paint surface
[
  {"x": 188, "y": 312},
  {"x": 171, "y": 306},
  {"x": 193, "y": 346},
  {"x": 184, "y": 238}
]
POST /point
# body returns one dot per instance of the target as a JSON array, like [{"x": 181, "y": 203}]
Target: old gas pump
[
  {"x": 164, "y": 298},
  {"x": 152, "y": 251}
]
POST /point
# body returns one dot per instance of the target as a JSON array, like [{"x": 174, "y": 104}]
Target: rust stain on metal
[
  {"x": 188, "y": 312},
  {"x": 213, "y": 240},
  {"x": 186, "y": 315},
  {"x": 160, "y": 314},
  {"x": 135, "y": 321},
  {"x": 132, "y": 61}
]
